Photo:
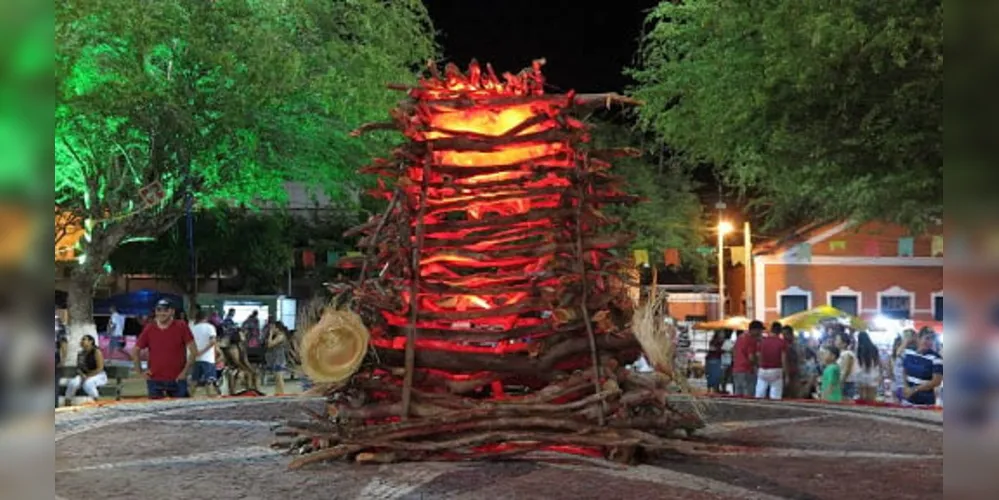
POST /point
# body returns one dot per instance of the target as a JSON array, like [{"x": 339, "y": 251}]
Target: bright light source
[
  {"x": 884, "y": 323},
  {"x": 725, "y": 227}
]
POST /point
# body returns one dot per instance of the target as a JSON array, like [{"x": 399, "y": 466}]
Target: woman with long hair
[
  {"x": 89, "y": 371},
  {"x": 868, "y": 369},
  {"x": 713, "y": 362}
]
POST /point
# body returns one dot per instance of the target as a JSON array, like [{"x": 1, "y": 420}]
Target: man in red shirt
[
  {"x": 744, "y": 360},
  {"x": 172, "y": 352},
  {"x": 773, "y": 365}
]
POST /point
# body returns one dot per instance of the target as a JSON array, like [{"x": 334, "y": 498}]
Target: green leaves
[
  {"x": 827, "y": 109},
  {"x": 227, "y": 100}
]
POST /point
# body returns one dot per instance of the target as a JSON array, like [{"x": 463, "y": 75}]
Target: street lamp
[{"x": 724, "y": 227}]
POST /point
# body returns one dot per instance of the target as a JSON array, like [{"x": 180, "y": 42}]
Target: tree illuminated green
[
  {"x": 222, "y": 101},
  {"x": 824, "y": 109}
]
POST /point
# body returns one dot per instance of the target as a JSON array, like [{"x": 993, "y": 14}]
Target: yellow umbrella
[
  {"x": 806, "y": 320},
  {"x": 731, "y": 323}
]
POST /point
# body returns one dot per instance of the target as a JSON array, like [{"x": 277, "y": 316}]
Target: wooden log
[{"x": 510, "y": 363}]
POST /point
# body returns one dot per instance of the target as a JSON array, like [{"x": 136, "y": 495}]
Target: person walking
[
  {"x": 772, "y": 365},
  {"x": 276, "y": 355},
  {"x": 205, "y": 340},
  {"x": 90, "y": 371},
  {"x": 744, "y": 360},
  {"x": 172, "y": 352},
  {"x": 116, "y": 333}
]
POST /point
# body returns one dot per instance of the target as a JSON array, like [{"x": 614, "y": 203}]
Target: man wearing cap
[{"x": 172, "y": 352}]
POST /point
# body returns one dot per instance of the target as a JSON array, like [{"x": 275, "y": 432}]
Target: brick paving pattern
[{"x": 218, "y": 450}]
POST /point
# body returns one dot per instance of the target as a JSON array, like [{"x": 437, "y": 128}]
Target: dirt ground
[{"x": 218, "y": 449}]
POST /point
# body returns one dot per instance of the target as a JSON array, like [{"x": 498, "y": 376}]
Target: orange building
[{"x": 866, "y": 269}]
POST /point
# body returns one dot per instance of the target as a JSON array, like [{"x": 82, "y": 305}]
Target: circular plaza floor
[{"x": 219, "y": 449}]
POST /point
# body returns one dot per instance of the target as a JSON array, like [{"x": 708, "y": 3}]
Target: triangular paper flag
[
  {"x": 641, "y": 257},
  {"x": 992, "y": 246},
  {"x": 872, "y": 248},
  {"x": 905, "y": 246},
  {"x": 937, "y": 246},
  {"x": 672, "y": 257},
  {"x": 308, "y": 258},
  {"x": 836, "y": 245},
  {"x": 802, "y": 252},
  {"x": 738, "y": 255}
]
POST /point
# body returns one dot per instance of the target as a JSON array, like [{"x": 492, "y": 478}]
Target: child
[{"x": 832, "y": 386}]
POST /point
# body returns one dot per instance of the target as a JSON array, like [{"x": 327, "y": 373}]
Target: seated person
[{"x": 90, "y": 370}]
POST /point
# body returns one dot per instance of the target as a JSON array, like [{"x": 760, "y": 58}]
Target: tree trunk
[
  {"x": 81, "y": 312},
  {"x": 83, "y": 282}
]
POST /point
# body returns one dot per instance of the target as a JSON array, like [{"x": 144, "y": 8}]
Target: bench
[{"x": 116, "y": 376}]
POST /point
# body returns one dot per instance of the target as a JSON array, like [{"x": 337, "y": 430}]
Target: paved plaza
[{"x": 219, "y": 449}]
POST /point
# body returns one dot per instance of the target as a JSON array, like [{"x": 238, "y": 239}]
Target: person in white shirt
[
  {"x": 116, "y": 333},
  {"x": 205, "y": 338}
]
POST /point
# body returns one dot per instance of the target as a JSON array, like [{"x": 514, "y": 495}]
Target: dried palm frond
[{"x": 658, "y": 337}]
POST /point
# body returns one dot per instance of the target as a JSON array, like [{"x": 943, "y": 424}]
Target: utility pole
[
  {"x": 723, "y": 227},
  {"x": 748, "y": 266}
]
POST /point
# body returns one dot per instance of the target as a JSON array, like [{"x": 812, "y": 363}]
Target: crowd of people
[
  {"x": 183, "y": 357},
  {"x": 838, "y": 366}
]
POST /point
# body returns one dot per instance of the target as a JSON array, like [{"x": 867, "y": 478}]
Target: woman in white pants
[{"x": 90, "y": 370}]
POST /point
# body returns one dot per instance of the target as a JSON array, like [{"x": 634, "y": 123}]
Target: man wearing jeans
[
  {"x": 744, "y": 360},
  {"x": 773, "y": 365},
  {"x": 172, "y": 352}
]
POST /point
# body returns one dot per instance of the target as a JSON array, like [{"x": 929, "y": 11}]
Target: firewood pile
[{"x": 498, "y": 308}]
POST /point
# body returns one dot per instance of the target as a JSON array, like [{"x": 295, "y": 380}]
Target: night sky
[{"x": 586, "y": 44}]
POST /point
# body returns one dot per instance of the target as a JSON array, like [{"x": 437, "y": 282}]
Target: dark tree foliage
[{"x": 822, "y": 109}]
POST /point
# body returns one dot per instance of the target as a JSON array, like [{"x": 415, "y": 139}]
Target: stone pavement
[{"x": 218, "y": 449}]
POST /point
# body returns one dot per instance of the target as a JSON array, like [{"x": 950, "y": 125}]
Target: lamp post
[
  {"x": 724, "y": 227},
  {"x": 748, "y": 267}
]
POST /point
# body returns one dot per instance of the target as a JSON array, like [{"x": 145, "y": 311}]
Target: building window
[
  {"x": 793, "y": 300},
  {"x": 938, "y": 307},
  {"x": 845, "y": 303},
  {"x": 845, "y": 299},
  {"x": 896, "y": 303}
]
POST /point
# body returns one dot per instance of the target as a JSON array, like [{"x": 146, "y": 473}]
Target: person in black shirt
[{"x": 90, "y": 370}]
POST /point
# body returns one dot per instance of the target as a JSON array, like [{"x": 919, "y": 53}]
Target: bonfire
[{"x": 493, "y": 315}]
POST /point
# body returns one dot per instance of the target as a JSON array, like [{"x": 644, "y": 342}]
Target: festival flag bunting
[
  {"x": 308, "y": 259},
  {"x": 354, "y": 254},
  {"x": 738, "y": 255},
  {"x": 836, "y": 245},
  {"x": 872, "y": 248},
  {"x": 803, "y": 252},
  {"x": 992, "y": 246},
  {"x": 332, "y": 257},
  {"x": 641, "y": 257},
  {"x": 906, "y": 246},
  {"x": 672, "y": 257},
  {"x": 706, "y": 251},
  {"x": 937, "y": 246}
]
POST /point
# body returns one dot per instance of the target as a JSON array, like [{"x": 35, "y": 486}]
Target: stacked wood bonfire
[{"x": 500, "y": 317}]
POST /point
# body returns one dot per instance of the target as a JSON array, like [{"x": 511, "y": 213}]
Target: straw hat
[{"x": 333, "y": 349}]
